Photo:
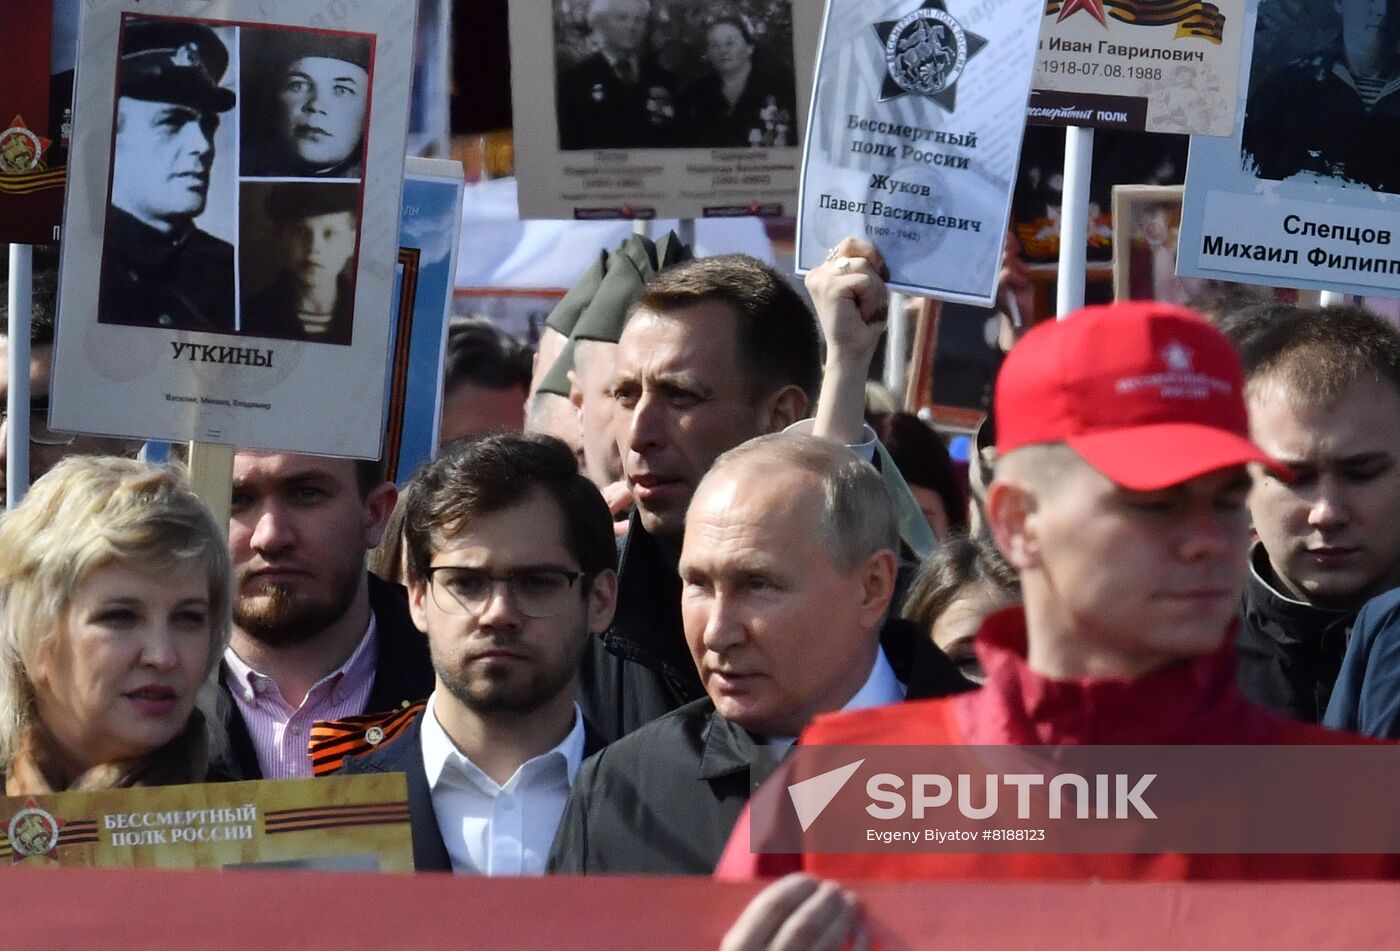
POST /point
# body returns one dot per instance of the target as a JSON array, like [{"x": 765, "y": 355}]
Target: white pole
[
  {"x": 1074, "y": 221},
  {"x": 896, "y": 348},
  {"x": 1331, "y": 299},
  {"x": 639, "y": 226},
  {"x": 17, "y": 406}
]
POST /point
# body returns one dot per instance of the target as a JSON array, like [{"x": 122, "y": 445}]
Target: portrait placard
[
  {"x": 1306, "y": 192},
  {"x": 345, "y": 823},
  {"x": 660, "y": 108},
  {"x": 428, "y": 236},
  {"x": 916, "y": 128},
  {"x": 1142, "y": 65},
  {"x": 229, "y": 240},
  {"x": 38, "y": 40}
]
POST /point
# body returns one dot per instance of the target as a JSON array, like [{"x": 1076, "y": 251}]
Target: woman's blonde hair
[{"x": 85, "y": 513}]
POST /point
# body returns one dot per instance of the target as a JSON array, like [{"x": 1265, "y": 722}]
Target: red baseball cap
[{"x": 1150, "y": 394}]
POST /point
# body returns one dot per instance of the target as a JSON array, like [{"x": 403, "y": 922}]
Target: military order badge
[
  {"x": 21, "y": 149},
  {"x": 915, "y": 130},
  {"x": 925, "y": 53}
]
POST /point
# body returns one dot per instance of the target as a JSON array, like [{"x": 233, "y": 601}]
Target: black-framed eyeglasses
[
  {"x": 39, "y": 432},
  {"x": 535, "y": 592}
]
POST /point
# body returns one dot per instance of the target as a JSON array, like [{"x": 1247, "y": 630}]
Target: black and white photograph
[
  {"x": 636, "y": 74},
  {"x": 307, "y": 101},
  {"x": 169, "y": 257},
  {"x": 297, "y": 264},
  {"x": 1325, "y": 94}
]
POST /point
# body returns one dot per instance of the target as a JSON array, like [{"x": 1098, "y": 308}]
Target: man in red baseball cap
[{"x": 1119, "y": 498}]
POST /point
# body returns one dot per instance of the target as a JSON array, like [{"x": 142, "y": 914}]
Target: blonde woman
[{"x": 114, "y": 608}]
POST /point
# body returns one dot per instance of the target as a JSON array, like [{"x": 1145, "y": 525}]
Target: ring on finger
[
  {"x": 831, "y": 255},
  {"x": 843, "y": 265}
]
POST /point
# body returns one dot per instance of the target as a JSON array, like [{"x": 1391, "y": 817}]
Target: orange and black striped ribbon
[
  {"x": 1193, "y": 17},
  {"x": 335, "y": 817},
  {"x": 333, "y": 740}
]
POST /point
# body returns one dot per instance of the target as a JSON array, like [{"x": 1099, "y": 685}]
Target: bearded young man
[
  {"x": 511, "y": 571},
  {"x": 315, "y": 635}
]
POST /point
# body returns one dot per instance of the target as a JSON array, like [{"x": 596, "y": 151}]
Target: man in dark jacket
[
  {"x": 1324, "y": 398},
  {"x": 717, "y": 351},
  {"x": 788, "y": 570},
  {"x": 510, "y": 568},
  {"x": 315, "y": 636},
  {"x": 617, "y": 97}
]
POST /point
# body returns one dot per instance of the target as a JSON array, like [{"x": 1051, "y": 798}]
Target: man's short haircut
[
  {"x": 1320, "y": 354},
  {"x": 1043, "y": 465},
  {"x": 480, "y": 354},
  {"x": 480, "y": 475},
  {"x": 369, "y": 475},
  {"x": 779, "y": 343},
  {"x": 84, "y": 514},
  {"x": 858, "y": 515}
]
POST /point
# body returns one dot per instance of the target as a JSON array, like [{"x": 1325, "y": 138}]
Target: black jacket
[
  {"x": 150, "y": 280},
  {"x": 404, "y": 754},
  {"x": 663, "y": 800},
  {"x": 403, "y": 675},
  {"x": 1289, "y": 652},
  {"x": 600, "y": 110},
  {"x": 641, "y": 669}
]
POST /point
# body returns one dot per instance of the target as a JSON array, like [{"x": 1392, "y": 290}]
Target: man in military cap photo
[
  {"x": 159, "y": 269},
  {"x": 312, "y": 93},
  {"x": 311, "y": 260}
]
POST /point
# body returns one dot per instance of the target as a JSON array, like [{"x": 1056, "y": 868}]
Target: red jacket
[{"x": 1191, "y": 703}]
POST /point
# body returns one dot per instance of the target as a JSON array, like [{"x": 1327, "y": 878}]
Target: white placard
[
  {"x": 230, "y": 234},
  {"x": 1306, "y": 192},
  {"x": 660, "y": 108},
  {"x": 916, "y": 133},
  {"x": 1142, "y": 65}
]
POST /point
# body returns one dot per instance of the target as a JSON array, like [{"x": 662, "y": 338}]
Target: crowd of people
[{"x": 596, "y": 626}]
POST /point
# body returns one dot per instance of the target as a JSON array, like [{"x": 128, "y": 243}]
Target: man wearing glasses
[{"x": 511, "y": 568}]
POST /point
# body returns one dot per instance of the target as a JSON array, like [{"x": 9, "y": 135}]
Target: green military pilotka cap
[
  {"x": 629, "y": 267},
  {"x": 565, "y": 317},
  {"x": 570, "y": 307},
  {"x": 636, "y": 262}
]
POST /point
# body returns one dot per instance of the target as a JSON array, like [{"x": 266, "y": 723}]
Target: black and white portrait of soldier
[
  {"x": 1334, "y": 113},
  {"x": 299, "y": 250},
  {"x": 617, "y": 96},
  {"x": 159, "y": 269},
  {"x": 309, "y": 96}
]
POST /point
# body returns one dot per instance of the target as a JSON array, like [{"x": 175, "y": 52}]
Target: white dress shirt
[
  {"x": 490, "y": 829},
  {"x": 881, "y": 688}
]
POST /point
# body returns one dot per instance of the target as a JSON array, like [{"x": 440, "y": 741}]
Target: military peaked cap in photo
[{"x": 174, "y": 61}]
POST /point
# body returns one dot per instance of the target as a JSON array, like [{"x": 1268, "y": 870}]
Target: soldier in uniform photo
[
  {"x": 312, "y": 295},
  {"x": 313, "y": 95},
  {"x": 1335, "y": 112},
  {"x": 159, "y": 269},
  {"x": 618, "y": 97}
]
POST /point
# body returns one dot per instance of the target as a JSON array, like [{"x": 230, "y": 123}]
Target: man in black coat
[
  {"x": 1324, "y": 398},
  {"x": 787, "y": 570},
  {"x": 617, "y": 97},
  {"x": 717, "y": 351},
  {"x": 510, "y": 567},
  {"x": 315, "y": 636}
]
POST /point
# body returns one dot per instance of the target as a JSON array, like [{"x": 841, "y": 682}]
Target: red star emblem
[{"x": 1093, "y": 7}]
